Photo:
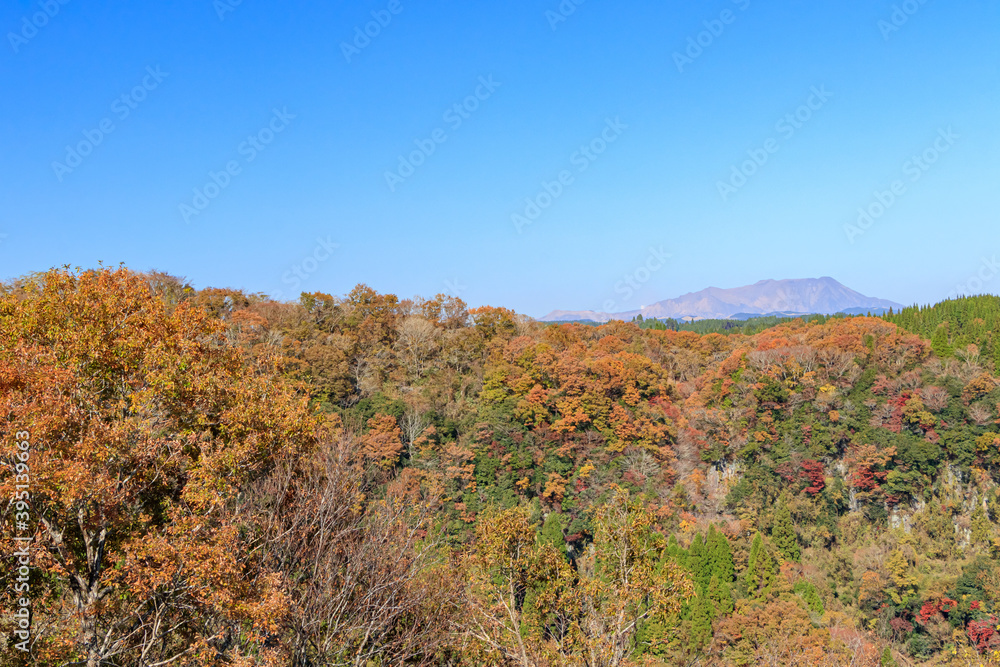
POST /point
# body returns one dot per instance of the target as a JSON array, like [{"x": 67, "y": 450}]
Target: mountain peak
[{"x": 823, "y": 295}]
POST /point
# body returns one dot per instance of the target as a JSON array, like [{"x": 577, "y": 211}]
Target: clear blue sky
[{"x": 222, "y": 69}]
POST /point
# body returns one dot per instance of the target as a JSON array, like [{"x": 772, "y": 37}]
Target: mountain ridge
[{"x": 823, "y": 295}]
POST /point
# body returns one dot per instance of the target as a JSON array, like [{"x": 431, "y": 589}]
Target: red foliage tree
[
  {"x": 813, "y": 472},
  {"x": 983, "y": 634}
]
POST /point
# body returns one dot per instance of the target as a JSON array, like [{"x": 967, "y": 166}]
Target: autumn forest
[{"x": 213, "y": 477}]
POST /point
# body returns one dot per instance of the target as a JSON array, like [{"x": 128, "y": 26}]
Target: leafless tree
[
  {"x": 837, "y": 363},
  {"x": 881, "y": 415},
  {"x": 641, "y": 463},
  {"x": 981, "y": 414},
  {"x": 806, "y": 357},
  {"x": 935, "y": 398},
  {"x": 970, "y": 355},
  {"x": 413, "y": 424},
  {"x": 416, "y": 344},
  {"x": 364, "y": 576}
]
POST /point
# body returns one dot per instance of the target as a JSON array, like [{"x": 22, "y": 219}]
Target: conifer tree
[
  {"x": 758, "y": 574},
  {"x": 702, "y": 615},
  {"x": 652, "y": 636},
  {"x": 939, "y": 342},
  {"x": 722, "y": 559},
  {"x": 700, "y": 562},
  {"x": 783, "y": 533},
  {"x": 696, "y": 555},
  {"x": 710, "y": 547},
  {"x": 996, "y": 357},
  {"x": 674, "y": 550},
  {"x": 721, "y": 596}
]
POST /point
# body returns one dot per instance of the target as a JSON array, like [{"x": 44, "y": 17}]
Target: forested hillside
[{"x": 218, "y": 478}]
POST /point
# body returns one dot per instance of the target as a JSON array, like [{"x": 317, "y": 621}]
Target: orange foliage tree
[
  {"x": 143, "y": 421},
  {"x": 384, "y": 441}
]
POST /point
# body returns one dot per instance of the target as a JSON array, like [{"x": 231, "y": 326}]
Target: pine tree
[
  {"x": 652, "y": 636},
  {"x": 783, "y": 533},
  {"x": 711, "y": 544},
  {"x": 752, "y": 575}
]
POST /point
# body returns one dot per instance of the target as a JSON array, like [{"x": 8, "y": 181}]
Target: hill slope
[{"x": 814, "y": 493}]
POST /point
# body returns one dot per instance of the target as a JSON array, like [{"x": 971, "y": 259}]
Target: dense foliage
[
  {"x": 219, "y": 478},
  {"x": 747, "y": 327},
  {"x": 955, "y": 325}
]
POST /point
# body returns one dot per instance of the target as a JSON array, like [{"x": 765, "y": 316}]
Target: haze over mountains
[{"x": 766, "y": 297}]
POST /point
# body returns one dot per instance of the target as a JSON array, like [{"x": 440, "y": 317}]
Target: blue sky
[{"x": 642, "y": 122}]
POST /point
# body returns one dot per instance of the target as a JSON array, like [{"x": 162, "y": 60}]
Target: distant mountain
[{"x": 767, "y": 297}]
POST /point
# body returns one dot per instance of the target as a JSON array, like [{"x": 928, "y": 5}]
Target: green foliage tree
[
  {"x": 702, "y": 614},
  {"x": 783, "y": 533},
  {"x": 552, "y": 532},
  {"x": 721, "y": 596},
  {"x": 696, "y": 555},
  {"x": 721, "y": 556},
  {"x": 809, "y": 595},
  {"x": 939, "y": 342},
  {"x": 759, "y": 573},
  {"x": 995, "y": 343},
  {"x": 700, "y": 563},
  {"x": 982, "y": 529}
]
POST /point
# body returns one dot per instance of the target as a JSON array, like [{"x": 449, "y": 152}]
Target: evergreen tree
[
  {"x": 954, "y": 324},
  {"x": 939, "y": 342},
  {"x": 996, "y": 357},
  {"x": 696, "y": 556},
  {"x": 783, "y": 533},
  {"x": 552, "y": 532},
  {"x": 722, "y": 558},
  {"x": 700, "y": 563},
  {"x": 904, "y": 584},
  {"x": 652, "y": 636},
  {"x": 701, "y": 621},
  {"x": 721, "y": 596},
  {"x": 808, "y": 593},
  {"x": 758, "y": 574},
  {"x": 674, "y": 550}
]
